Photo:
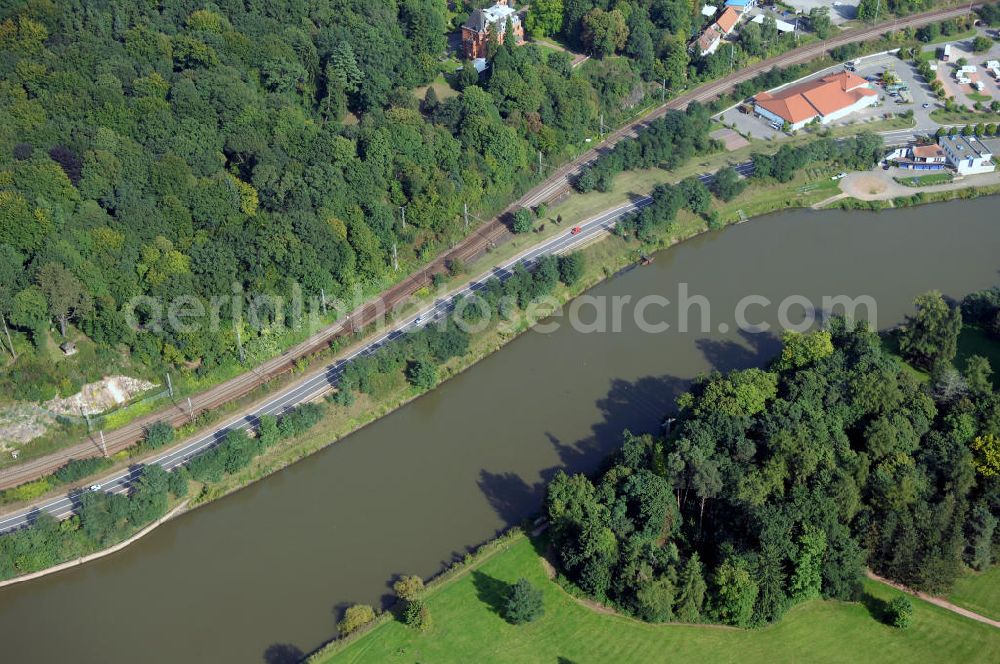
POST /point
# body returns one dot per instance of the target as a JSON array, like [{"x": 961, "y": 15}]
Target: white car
[
  {"x": 95, "y": 487},
  {"x": 839, "y": 176}
]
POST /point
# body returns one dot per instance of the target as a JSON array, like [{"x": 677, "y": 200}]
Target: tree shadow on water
[
  {"x": 639, "y": 406},
  {"x": 283, "y": 653},
  {"x": 510, "y": 496},
  {"x": 490, "y": 591},
  {"x": 725, "y": 355}
]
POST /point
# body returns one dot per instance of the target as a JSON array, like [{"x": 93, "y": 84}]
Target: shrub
[
  {"x": 900, "y": 612},
  {"x": 522, "y": 221},
  {"x": 422, "y": 374},
  {"x": 408, "y": 587},
  {"x": 159, "y": 434},
  {"x": 77, "y": 469},
  {"x": 981, "y": 44},
  {"x": 571, "y": 267},
  {"x": 524, "y": 603},
  {"x": 455, "y": 266},
  {"x": 355, "y": 617},
  {"x": 417, "y": 615},
  {"x": 177, "y": 483}
]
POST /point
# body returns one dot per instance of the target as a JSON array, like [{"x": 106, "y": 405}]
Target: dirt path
[
  {"x": 491, "y": 233},
  {"x": 937, "y": 601}
]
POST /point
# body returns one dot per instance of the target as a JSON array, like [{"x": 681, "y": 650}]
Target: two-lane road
[
  {"x": 489, "y": 234},
  {"x": 321, "y": 383}
]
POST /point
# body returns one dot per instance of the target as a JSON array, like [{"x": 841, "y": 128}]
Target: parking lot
[
  {"x": 920, "y": 90},
  {"x": 965, "y": 94},
  {"x": 870, "y": 67}
]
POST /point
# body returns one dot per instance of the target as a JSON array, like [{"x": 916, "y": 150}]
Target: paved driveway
[{"x": 841, "y": 11}]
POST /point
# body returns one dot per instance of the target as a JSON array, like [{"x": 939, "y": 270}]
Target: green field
[
  {"x": 979, "y": 592},
  {"x": 467, "y": 628}
]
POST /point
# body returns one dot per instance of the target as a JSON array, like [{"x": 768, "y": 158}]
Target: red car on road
[{"x": 576, "y": 230}]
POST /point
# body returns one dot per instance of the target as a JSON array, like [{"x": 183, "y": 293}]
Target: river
[{"x": 262, "y": 575}]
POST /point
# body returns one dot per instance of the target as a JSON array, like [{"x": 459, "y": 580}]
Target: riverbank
[
  {"x": 415, "y": 490},
  {"x": 467, "y": 627},
  {"x": 603, "y": 259},
  {"x": 862, "y": 39},
  {"x": 173, "y": 513}
]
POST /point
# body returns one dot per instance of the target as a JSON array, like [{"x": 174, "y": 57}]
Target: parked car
[
  {"x": 839, "y": 176},
  {"x": 926, "y": 105}
]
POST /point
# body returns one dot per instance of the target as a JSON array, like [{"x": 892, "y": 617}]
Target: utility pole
[
  {"x": 395, "y": 258},
  {"x": 104, "y": 447},
  {"x": 170, "y": 386},
  {"x": 403, "y": 210},
  {"x": 732, "y": 56},
  {"x": 539, "y": 162},
  {"x": 602, "y": 125},
  {"x": 465, "y": 207},
  {"x": 322, "y": 299},
  {"x": 663, "y": 91},
  {"x": 878, "y": 6},
  {"x": 190, "y": 409},
  {"x": 86, "y": 416}
]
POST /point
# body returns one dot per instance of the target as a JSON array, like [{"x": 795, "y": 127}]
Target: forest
[
  {"x": 780, "y": 484},
  {"x": 196, "y": 149}
]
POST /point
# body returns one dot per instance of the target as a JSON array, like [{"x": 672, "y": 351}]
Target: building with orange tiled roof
[
  {"x": 709, "y": 40},
  {"x": 728, "y": 20},
  {"x": 827, "y": 99},
  {"x": 922, "y": 158}
]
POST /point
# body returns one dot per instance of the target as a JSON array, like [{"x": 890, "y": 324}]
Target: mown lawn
[
  {"x": 467, "y": 628},
  {"x": 979, "y": 591},
  {"x": 976, "y": 341},
  {"x": 925, "y": 180}
]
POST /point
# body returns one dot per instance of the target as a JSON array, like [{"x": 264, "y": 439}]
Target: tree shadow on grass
[
  {"x": 490, "y": 591},
  {"x": 877, "y": 608}
]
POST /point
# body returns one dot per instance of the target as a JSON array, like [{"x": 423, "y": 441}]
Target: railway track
[{"x": 492, "y": 233}]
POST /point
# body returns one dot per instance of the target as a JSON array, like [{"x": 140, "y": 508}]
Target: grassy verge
[
  {"x": 467, "y": 627},
  {"x": 979, "y": 591},
  {"x": 925, "y": 180},
  {"x": 941, "y": 116}
]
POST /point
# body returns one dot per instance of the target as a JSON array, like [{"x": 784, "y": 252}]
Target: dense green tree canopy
[
  {"x": 778, "y": 486},
  {"x": 177, "y": 149}
]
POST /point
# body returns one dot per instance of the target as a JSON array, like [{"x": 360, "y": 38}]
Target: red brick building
[{"x": 483, "y": 22}]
